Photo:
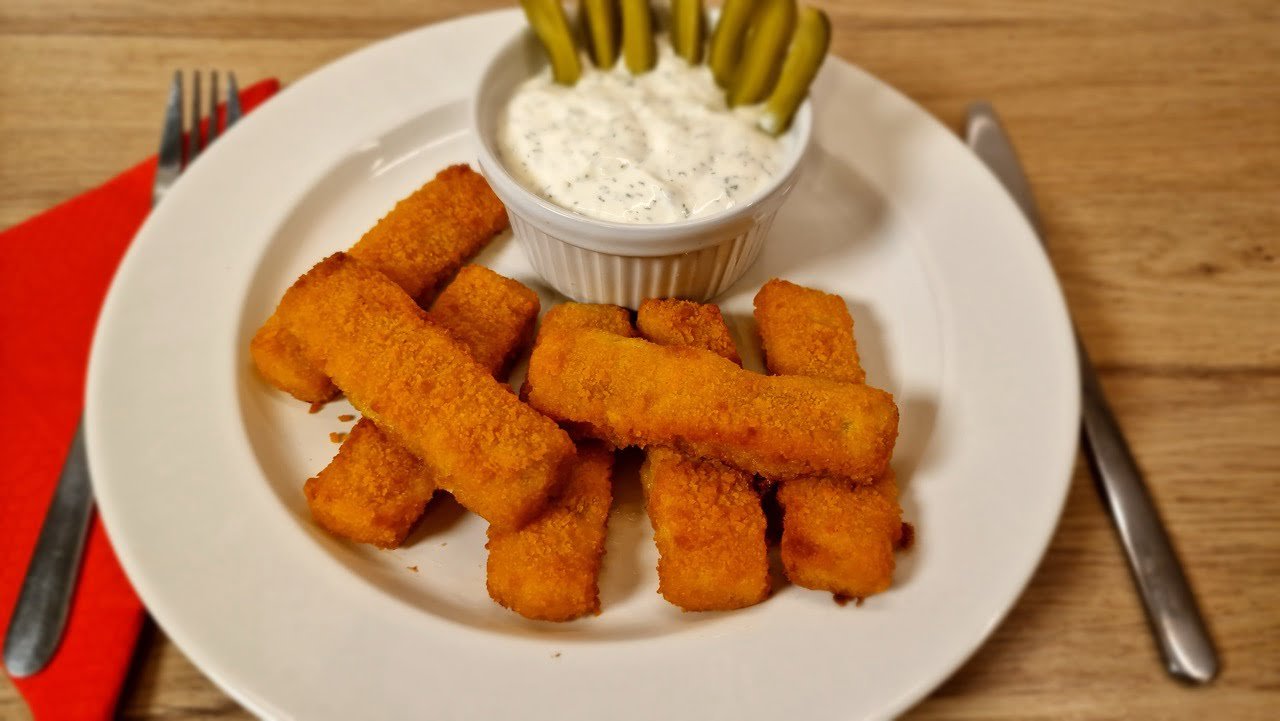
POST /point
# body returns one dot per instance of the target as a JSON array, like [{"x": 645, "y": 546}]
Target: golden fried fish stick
[
  {"x": 709, "y": 530},
  {"x": 840, "y": 537},
  {"x": 497, "y": 456},
  {"x": 581, "y": 316},
  {"x": 683, "y": 322},
  {"x": 431, "y": 233},
  {"x": 492, "y": 316},
  {"x": 631, "y": 392},
  {"x": 419, "y": 244},
  {"x": 549, "y": 569},
  {"x": 280, "y": 361},
  {"x": 374, "y": 490},
  {"x": 707, "y": 520},
  {"x": 807, "y": 332},
  {"x": 836, "y": 536},
  {"x": 570, "y": 316}
]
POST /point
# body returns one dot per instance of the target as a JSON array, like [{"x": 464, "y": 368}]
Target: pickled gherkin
[
  {"x": 687, "y": 28},
  {"x": 552, "y": 28},
  {"x": 600, "y": 21},
  {"x": 638, "y": 48},
  {"x": 808, "y": 49},
  {"x": 766, "y": 51},
  {"x": 725, "y": 48},
  {"x": 771, "y": 28}
]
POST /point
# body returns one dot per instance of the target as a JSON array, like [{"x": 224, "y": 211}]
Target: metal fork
[
  {"x": 35, "y": 630},
  {"x": 172, "y": 158}
]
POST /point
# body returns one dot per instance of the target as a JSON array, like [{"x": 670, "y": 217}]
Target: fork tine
[
  {"x": 193, "y": 136},
  {"x": 213, "y": 108},
  {"x": 169, "y": 163},
  {"x": 233, "y": 100}
]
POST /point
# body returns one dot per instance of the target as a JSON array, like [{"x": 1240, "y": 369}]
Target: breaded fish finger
[
  {"x": 549, "y": 570},
  {"x": 581, "y": 316},
  {"x": 840, "y": 537},
  {"x": 491, "y": 315},
  {"x": 429, "y": 235},
  {"x": 419, "y": 244},
  {"x": 280, "y": 361},
  {"x": 375, "y": 490},
  {"x": 707, "y": 520},
  {"x": 683, "y": 322},
  {"x": 571, "y": 316},
  {"x": 807, "y": 332},
  {"x": 709, "y": 530},
  {"x": 498, "y": 457},
  {"x": 631, "y": 392},
  {"x": 836, "y": 536}
]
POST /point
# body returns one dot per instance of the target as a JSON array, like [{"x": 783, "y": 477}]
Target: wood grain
[{"x": 1151, "y": 130}]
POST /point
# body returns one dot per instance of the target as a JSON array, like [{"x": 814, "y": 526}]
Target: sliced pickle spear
[
  {"x": 637, "y": 36},
  {"x": 808, "y": 49},
  {"x": 601, "y": 24},
  {"x": 686, "y": 29},
  {"x": 771, "y": 26},
  {"x": 725, "y": 48},
  {"x": 552, "y": 27}
]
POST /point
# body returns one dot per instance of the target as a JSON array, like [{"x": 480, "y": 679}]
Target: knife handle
[
  {"x": 35, "y": 629},
  {"x": 1171, "y": 608}
]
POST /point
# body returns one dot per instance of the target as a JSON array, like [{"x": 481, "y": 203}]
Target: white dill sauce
[{"x": 660, "y": 147}]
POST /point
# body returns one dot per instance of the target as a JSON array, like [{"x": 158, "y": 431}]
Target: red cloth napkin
[{"x": 57, "y": 267}]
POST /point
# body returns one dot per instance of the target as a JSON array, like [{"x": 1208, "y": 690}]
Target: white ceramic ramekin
[{"x": 597, "y": 261}]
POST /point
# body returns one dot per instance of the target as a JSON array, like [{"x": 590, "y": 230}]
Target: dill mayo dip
[{"x": 660, "y": 147}]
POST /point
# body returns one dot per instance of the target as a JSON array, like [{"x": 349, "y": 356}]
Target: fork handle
[
  {"x": 41, "y": 612},
  {"x": 1171, "y": 608}
]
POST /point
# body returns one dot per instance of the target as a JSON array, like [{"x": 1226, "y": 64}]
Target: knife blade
[{"x": 1170, "y": 605}]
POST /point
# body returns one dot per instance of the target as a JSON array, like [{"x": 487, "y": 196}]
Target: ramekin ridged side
[{"x": 590, "y": 276}]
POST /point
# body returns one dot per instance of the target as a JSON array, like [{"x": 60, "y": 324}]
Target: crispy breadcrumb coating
[
  {"x": 840, "y": 537},
  {"x": 490, "y": 315},
  {"x": 631, "y": 392},
  {"x": 419, "y": 244},
  {"x": 427, "y": 236},
  {"x": 682, "y": 322},
  {"x": 836, "y": 536},
  {"x": 707, "y": 521},
  {"x": 806, "y": 332},
  {"x": 709, "y": 530},
  {"x": 549, "y": 569},
  {"x": 497, "y": 456},
  {"x": 577, "y": 316},
  {"x": 280, "y": 361},
  {"x": 374, "y": 490}
]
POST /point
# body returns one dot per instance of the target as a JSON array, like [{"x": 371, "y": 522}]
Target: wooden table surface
[{"x": 1151, "y": 131}]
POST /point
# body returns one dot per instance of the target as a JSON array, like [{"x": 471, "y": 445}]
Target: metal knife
[{"x": 1171, "y": 608}]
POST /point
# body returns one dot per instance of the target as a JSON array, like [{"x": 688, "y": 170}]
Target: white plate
[{"x": 198, "y": 466}]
